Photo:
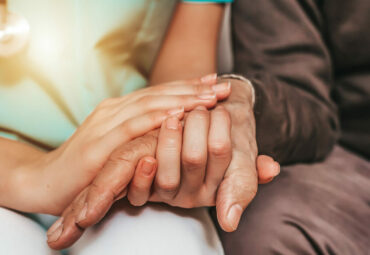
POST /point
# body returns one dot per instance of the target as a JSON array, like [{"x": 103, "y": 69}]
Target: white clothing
[{"x": 151, "y": 229}]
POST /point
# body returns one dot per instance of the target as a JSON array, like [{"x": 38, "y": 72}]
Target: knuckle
[
  {"x": 123, "y": 157},
  {"x": 127, "y": 128},
  {"x": 138, "y": 187},
  {"x": 193, "y": 159},
  {"x": 220, "y": 149},
  {"x": 168, "y": 187}
]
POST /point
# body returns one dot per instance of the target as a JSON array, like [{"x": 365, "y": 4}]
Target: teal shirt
[{"x": 79, "y": 53}]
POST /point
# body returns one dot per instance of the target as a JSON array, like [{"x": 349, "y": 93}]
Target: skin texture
[
  {"x": 202, "y": 158},
  {"x": 98, "y": 153},
  {"x": 240, "y": 182},
  {"x": 190, "y": 46},
  {"x": 188, "y": 50},
  {"x": 114, "y": 122},
  {"x": 237, "y": 188},
  {"x": 218, "y": 159}
]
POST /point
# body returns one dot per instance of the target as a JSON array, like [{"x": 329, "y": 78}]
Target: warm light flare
[{"x": 14, "y": 35}]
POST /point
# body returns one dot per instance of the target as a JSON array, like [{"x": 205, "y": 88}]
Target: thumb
[
  {"x": 236, "y": 191},
  {"x": 110, "y": 184}
]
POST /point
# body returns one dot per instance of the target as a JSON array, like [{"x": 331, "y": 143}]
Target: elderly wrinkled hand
[
  {"x": 92, "y": 150},
  {"x": 194, "y": 184},
  {"x": 211, "y": 160}
]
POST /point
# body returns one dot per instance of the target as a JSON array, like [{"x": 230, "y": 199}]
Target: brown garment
[
  {"x": 309, "y": 61},
  {"x": 310, "y": 64},
  {"x": 320, "y": 209}
]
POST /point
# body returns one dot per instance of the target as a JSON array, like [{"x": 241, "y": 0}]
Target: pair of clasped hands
[{"x": 173, "y": 143}]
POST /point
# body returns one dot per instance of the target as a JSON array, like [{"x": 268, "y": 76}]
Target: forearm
[
  {"x": 17, "y": 178},
  {"x": 190, "y": 47}
]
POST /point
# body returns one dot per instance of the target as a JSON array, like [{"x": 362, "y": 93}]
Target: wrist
[
  {"x": 26, "y": 186},
  {"x": 242, "y": 90},
  {"x": 240, "y": 106}
]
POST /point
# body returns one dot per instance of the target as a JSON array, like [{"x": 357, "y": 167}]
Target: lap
[
  {"x": 152, "y": 229},
  {"x": 20, "y": 235},
  {"x": 320, "y": 208}
]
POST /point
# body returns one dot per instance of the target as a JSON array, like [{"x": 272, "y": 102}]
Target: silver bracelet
[{"x": 243, "y": 79}]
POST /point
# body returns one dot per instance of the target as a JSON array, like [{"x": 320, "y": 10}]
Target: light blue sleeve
[{"x": 208, "y": 1}]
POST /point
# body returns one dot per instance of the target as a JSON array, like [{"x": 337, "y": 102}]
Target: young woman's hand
[
  {"x": 52, "y": 181},
  {"x": 94, "y": 201},
  {"x": 118, "y": 176}
]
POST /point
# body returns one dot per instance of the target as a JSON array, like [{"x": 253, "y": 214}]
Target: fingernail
[
  {"x": 56, "y": 234},
  {"x": 233, "y": 217},
  {"x": 176, "y": 111},
  {"x": 147, "y": 167},
  {"x": 55, "y": 231},
  {"x": 172, "y": 123},
  {"x": 209, "y": 77},
  {"x": 55, "y": 226},
  {"x": 82, "y": 214},
  {"x": 207, "y": 96},
  {"x": 221, "y": 87}
]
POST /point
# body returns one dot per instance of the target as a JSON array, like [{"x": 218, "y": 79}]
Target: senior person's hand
[
  {"x": 192, "y": 162},
  {"x": 240, "y": 183},
  {"x": 211, "y": 140},
  {"x": 98, "y": 194},
  {"x": 115, "y": 122},
  {"x": 113, "y": 183}
]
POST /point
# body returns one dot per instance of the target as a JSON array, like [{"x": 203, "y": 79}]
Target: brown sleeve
[{"x": 279, "y": 45}]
